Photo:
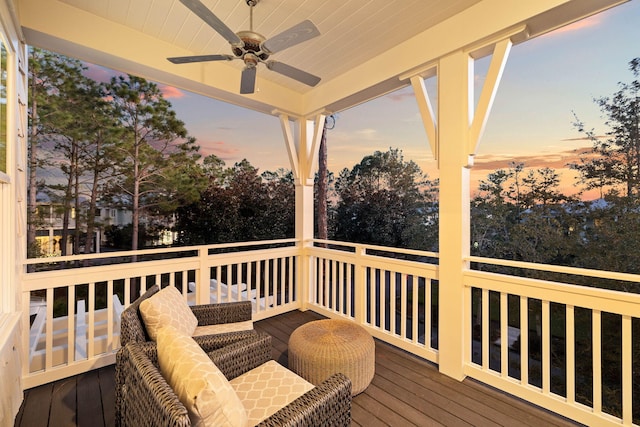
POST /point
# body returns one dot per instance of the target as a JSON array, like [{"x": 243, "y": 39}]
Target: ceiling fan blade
[
  {"x": 199, "y": 58},
  {"x": 293, "y": 72},
  {"x": 248, "y": 80},
  {"x": 212, "y": 20},
  {"x": 291, "y": 37}
]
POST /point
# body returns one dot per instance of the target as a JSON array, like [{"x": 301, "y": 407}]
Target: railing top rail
[
  {"x": 175, "y": 249},
  {"x": 602, "y": 274},
  {"x": 377, "y": 248}
]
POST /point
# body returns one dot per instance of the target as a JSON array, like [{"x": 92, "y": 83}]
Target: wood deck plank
[
  {"x": 405, "y": 391},
  {"x": 64, "y": 403},
  {"x": 107, "y": 385},
  {"x": 89, "y": 411},
  {"x": 37, "y": 406}
]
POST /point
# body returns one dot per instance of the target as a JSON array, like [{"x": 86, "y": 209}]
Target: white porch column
[
  {"x": 303, "y": 142},
  {"x": 459, "y": 131},
  {"x": 453, "y": 133}
]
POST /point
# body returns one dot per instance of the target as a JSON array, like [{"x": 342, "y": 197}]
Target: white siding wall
[{"x": 12, "y": 217}]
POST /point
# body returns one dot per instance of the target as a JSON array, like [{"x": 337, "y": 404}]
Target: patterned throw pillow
[
  {"x": 198, "y": 382},
  {"x": 167, "y": 307},
  {"x": 268, "y": 388}
]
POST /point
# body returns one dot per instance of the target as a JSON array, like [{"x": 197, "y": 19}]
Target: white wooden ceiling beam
[
  {"x": 302, "y": 150},
  {"x": 426, "y": 112},
  {"x": 488, "y": 93}
]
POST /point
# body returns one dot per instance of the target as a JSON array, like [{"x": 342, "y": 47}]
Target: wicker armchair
[
  {"x": 143, "y": 397},
  {"x": 132, "y": 327}
]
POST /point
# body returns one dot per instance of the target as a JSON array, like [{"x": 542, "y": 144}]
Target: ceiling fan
[{"x": 252, "y": 47}]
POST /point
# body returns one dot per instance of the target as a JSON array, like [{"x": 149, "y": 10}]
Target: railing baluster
[
  {"x": 127, "y": 291},
  {"x": 524, "y": 341},
  {"x": 274, "y": 281},
  {"x": 427, "y": 311},
  {"x": 283, "y": 271},
  {"x": 392, "y": 301},
  {"x": 110, "y": 345},
  {"x": 259, "y": 282},
  {"x": 341, "y": 289},
  {"x": 546, "y": 348},
  {"x": 597, "y": 361},
  {"x": 571, "y": 353},
  {"x": 49, "y": 330},
  {"x": 289, "y": 276},
  {"x": 486, "y": 329},
  {"x": 504, "y": 335},
  {"x": 372, "y": 295},
  {"x": 349, "y": 286},
  {"x": 71, "y": 327},
  {"x": 627, "y": 372},
  {"x": 383, "y": 298},
  {"x": 92, "y": 320},
  {"x": 403, "y": 305}
]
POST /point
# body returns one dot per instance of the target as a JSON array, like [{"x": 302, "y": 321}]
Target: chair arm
[
  {"x": 242, "y": 356},
  {"x": 214, "y": 342},
  {"x": 227, "y": 312},
  {"x": 144, "y": 398},
  {"x": 328, "y": 404}
]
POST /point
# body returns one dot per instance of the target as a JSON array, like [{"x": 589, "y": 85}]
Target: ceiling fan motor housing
[{"x": 252, "y": 42}]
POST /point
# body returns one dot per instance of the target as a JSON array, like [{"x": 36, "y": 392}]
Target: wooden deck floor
[{"x": 405, "y": 391}]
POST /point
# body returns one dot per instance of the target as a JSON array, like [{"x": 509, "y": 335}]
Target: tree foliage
[
  {"x": 117, "y": 142},
  {"x": 381, "y": 198},
  {"x": 154, "y": 151},
  {"x": 614, "y": 166},
  {"x": 238, "y": 204}
]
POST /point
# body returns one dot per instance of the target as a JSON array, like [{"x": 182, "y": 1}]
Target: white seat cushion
[
  {"x": 266, "y": 389},
  {"x": 167, "y": 308},
  {"x": 199, "y": 384},
  {"x": 222, "y": 328}
]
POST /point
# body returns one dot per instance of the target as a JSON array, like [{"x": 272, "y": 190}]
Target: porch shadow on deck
[{"x": 405, "y": 391}]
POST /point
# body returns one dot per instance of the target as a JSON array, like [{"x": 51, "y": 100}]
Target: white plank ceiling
[{"x": 352, "y": 31}]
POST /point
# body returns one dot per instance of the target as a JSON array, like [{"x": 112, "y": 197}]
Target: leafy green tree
[
  {"x": 46, "y": 72},
  {"x": 282, "y": 201},
  {"x": 380, "y": 198},
  {"x": 521, "y": 215},
  {"x": 63, "y": 111},
  {"x": 153, "y": 153},
  {"x": 238, "y": 205},
  {"x": 615, "y": 162}
]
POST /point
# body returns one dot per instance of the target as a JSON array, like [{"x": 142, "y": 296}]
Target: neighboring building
[{"x": 49, "y": 230}]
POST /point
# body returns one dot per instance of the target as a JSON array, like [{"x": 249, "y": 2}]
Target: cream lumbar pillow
[
  {"x": 167, "y": 307},
  {"x": 199, "y": 384}
]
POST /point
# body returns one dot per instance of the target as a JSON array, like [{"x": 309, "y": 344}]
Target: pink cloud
[
  {"x": 99, "y": 74},
  {"x": 219, "y": 148},
  {"x": 486, "y": 164},
  {"x": 592, "y": 21},
  {"x": 170, "y": 92},
  {"x": 401, "y": 96},
  {"x": 532, "y": 161}
]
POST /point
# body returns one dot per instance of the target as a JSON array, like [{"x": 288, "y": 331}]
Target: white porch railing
[
  {"x": 395, "y": 299},
  {"x": 73, "y": 324},
  {"x": 524, "y": 336},
  {"x": 557, "y": 359}
]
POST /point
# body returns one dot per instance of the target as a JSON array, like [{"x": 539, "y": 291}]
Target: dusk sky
[{"x": 544, "y": 82}]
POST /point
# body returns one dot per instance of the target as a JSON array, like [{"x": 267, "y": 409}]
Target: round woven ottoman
[{"x": 321, "y": 348}]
